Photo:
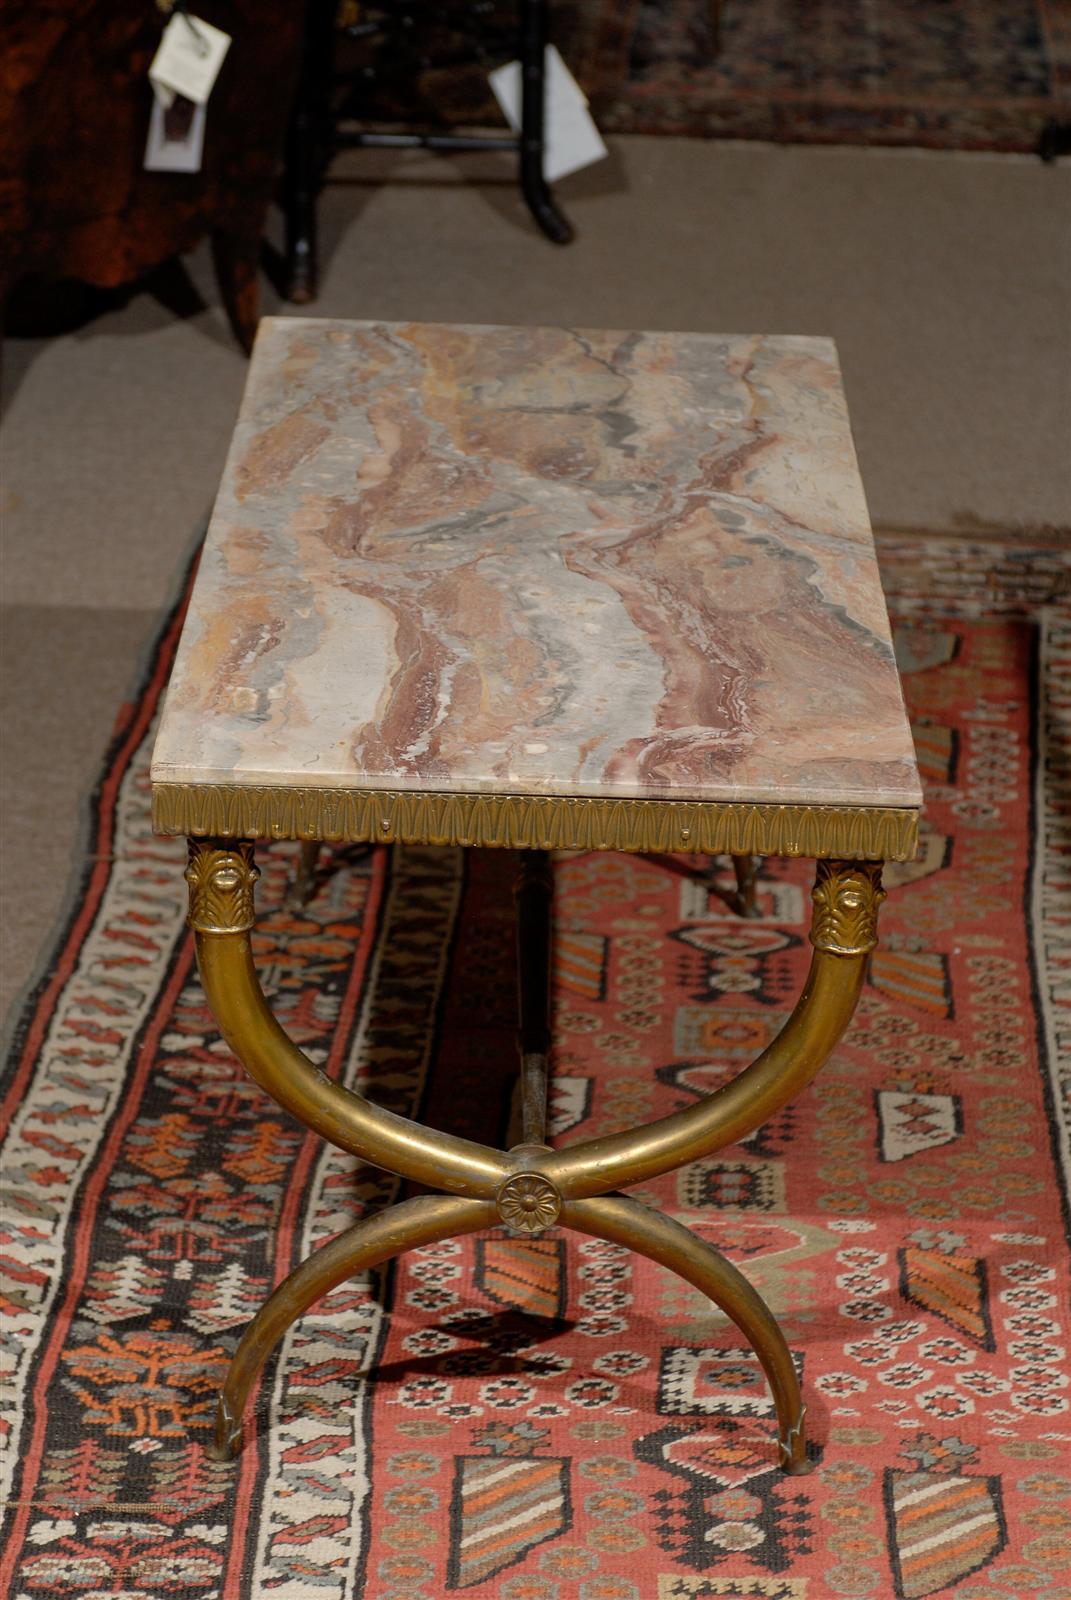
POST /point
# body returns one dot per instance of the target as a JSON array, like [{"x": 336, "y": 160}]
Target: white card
[
  {"x": 189, "y": 58},
  {"x": 570, "y": 138},
  {"x": 164, "y": 150}
]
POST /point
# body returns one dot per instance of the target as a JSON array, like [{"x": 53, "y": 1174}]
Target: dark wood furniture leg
[
  {"x": 308, "y": 151},
  {"x": 236, "y": 255}
]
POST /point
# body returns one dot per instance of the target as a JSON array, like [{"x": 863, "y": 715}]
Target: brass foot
[
  {"x": 423, "y": 1220},
  {"x": 792, "y": 1446},
  {"x": 226, "y": 1443}
]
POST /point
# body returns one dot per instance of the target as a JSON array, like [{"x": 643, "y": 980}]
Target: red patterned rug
[
  {"x": 949, "y": 74},
  {"x": 558, "y": 1420}
]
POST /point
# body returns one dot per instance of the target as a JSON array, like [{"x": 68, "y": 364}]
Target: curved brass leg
[
  {"x": 626, "y": 1221},
  {"x": 423, "y": 1220},
  {"x": 846, "y": 897},
  {"x": 221, "y": 876},
  {"x": 528, "y": 1187}
]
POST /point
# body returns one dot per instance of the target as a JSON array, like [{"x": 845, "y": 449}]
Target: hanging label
[
  {"x": 570, "y": 138},
  {"x": 189, "y": 58},
  {"x": 176, "y": 136}
]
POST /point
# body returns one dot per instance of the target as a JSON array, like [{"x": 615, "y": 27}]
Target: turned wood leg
[
  {"x": 531, "y": 1186},
  {"x": 237, "y": 263}
]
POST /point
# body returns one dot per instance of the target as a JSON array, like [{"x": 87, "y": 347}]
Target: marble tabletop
[{"x": 544, "y": 562}]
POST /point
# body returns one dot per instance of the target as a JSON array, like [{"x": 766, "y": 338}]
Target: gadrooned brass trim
[{"x": 539, "y": 822}]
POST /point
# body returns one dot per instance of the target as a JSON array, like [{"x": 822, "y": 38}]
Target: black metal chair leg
[{"x": 540, "y": 201}]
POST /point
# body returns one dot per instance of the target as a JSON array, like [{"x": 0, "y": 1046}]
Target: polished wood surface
[{"x": 75, "y": 201}]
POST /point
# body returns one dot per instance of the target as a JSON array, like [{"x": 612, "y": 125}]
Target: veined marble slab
[{"x": 538, "y": 561}]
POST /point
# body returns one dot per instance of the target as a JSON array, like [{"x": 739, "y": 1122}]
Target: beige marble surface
[{"x": 541, "y": 562}]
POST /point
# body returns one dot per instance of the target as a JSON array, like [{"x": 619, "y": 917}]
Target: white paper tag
[
  {"x": 176, "y": 136},
  {"x": 570, "y": 138},
  {"x": 189, "y": 58}
]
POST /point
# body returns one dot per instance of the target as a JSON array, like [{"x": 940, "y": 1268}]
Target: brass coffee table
[{"x": 537, "y": 589}]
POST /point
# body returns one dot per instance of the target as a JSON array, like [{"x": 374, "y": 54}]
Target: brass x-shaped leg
[{"x": 530, "y": 1187}]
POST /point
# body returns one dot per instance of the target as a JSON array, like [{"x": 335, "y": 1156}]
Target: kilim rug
[
  {"x": 949, "y": 74},
  {"x": 557, "y": 1419}
]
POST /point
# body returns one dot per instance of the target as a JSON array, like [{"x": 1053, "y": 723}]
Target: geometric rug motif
[
  {"x": 523, "y": 1274},
  {"x": 916, "y": 976},
  {"x": 737, "y": 958},
  {"x": 671, "y": 1587},
  {"x": 501, "y": 1509},
  {"x": 943, "y": 1525},
  {"x": 725, "y": 1381},
  {"x": 736, "y": 1185},
  {"x": 952, "y": 1286},
  {"x": 580, "y": 962},
  {"x": 569, "y": 1103},
  {"x": 936, "y": 746},
  {"x": 911, "y": 1122},
  {"x": 906, "y": 1217},
  {"x": 725, "y": 1495}
]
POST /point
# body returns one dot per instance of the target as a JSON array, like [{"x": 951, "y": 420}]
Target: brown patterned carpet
[{"x": 947, "y": 74}]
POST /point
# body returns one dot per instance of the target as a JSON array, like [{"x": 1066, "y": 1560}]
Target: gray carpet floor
[{"x": 946, "y": 280}]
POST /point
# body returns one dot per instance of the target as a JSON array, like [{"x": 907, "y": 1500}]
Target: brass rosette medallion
[
  {"x": 528, "y": 1203},
  {"x": 221, "y": 879},
  {"x": 846, "y": 896}
]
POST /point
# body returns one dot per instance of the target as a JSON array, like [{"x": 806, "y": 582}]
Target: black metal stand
[
  {"x": 1055, "y": 140},
  {"x": 315, "y": 136},
  {"x": 537, "y": 196}
]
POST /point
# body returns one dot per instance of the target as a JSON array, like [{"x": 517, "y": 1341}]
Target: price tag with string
[
  {"x": 189, "y": 58},
  {"x": 176, "y": 136}
]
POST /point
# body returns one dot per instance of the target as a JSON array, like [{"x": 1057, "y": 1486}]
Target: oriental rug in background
[{"x": 954, "y": 75}]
